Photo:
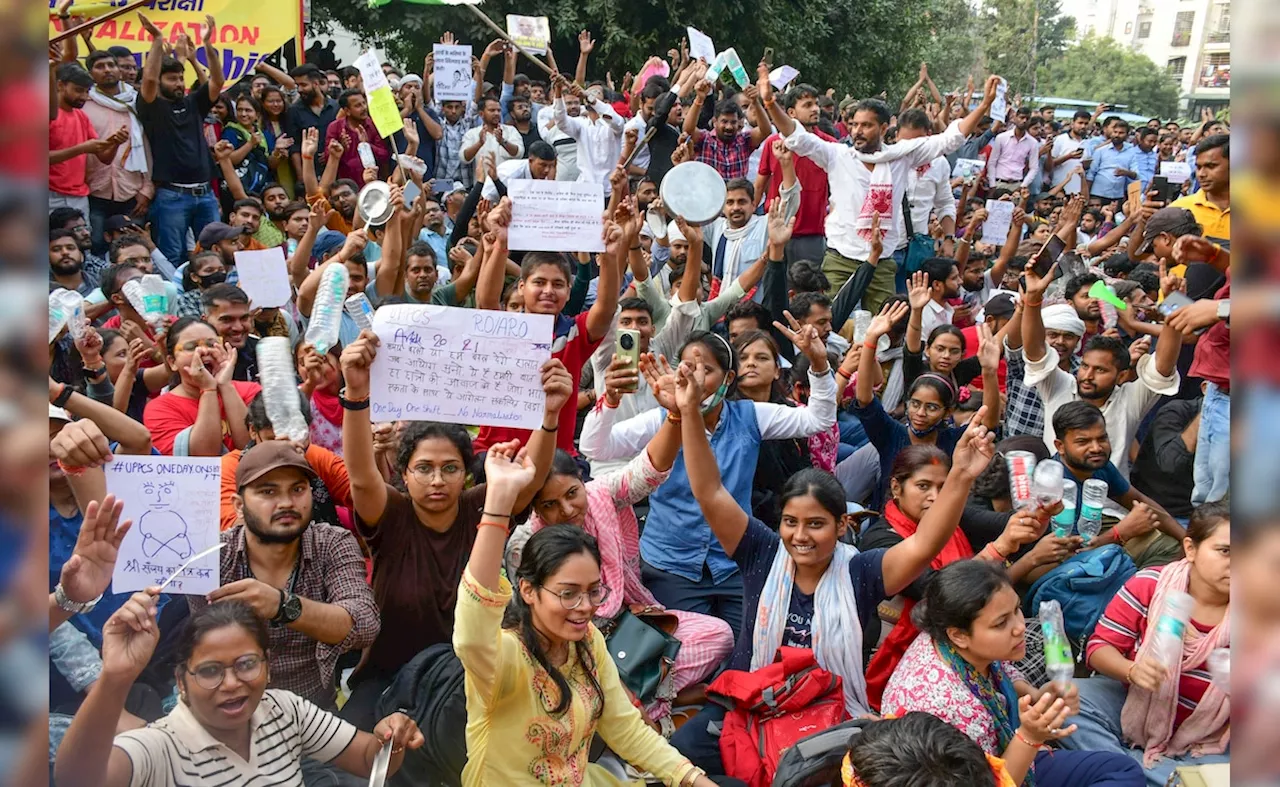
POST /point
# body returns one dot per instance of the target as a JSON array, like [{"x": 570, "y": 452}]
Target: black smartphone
[
  {"x": 768, "y": 57},
  {"x": 1048, "y": 255},
  {"x": 1172, "y": 302},
  {"x": 1166, "y": 192}
]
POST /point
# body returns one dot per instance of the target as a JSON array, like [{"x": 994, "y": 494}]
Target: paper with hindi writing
[
  {"x": 371, "y": 72},
  {"x": 452, "y": 72},
  {"x": 700, "y": 45},
  {"x": 174, "y": 503},
  {"x": 1000, "y": 107},
  {"x": 460, "y": 366},
  {"x": 264, "y": 277},
  {"x": 995, "y": 230},
  {"x": 530, "y": 32},
  {"x": 555, "y": 215},
  {"x": 1176, "y": 171}
]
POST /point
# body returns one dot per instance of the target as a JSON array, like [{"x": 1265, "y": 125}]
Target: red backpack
[{"x": 772, "y": 708}]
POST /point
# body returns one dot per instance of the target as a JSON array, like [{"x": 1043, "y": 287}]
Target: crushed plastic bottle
[
  {"x": 360, "y": 310},
  {"x": 280, "y": 388},
  {"x": 861, "y": 322},
  {"x": 1166, "y": 645},
  {"x": 1022, "y": 468},
  {"x": 1091, "y": 501},
  {"x": 1047, "y": 485},
  {"x": 1057, "y": 647},
  {"x": 326, "y": 312},
  {"x": 1064, "y": 522},
  {"x": 149, "y": 298},
  {"x": 66, "y": 310}
]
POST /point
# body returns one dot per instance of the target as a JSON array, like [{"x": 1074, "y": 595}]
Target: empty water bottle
[
  {"x": 366, "y": 155},
  {"x": 1057, "y": 647},
  {"x": 1022, "y": 468},
  {"x": 326, "y": 313},
  {"x": 1047, "y": 486},
  {"x": 361, "y": 311},
  {"x": 66, "y": 310},
  {"x": 1064, "y": 522},
  {"x": 280, "y": 388},
  {"x": 291, "y": 245},
  {"x": 861, "y": 322},
  {"x": 1091, "y": 500},
  {"x": 149, "y": 297},
  {"x": 1166, "y": 638}
]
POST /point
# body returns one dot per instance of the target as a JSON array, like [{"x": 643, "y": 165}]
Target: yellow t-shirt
[
  {"x": 512, "y": 740},
  {"x": 1214, "y": 221}
]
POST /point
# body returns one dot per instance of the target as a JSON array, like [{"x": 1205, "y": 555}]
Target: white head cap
[
  {"x": 1063, "y": 317},
  {"x": 674, "y": 234}
]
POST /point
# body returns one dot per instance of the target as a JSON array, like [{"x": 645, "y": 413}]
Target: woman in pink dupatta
[
  {"x": 603, "y": 508},
  {"x": 1173, "y": 716}
]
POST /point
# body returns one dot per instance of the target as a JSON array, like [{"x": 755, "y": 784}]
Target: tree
[
  {"x": 1099, "y": 69},
  {"x": 1011, "y": 48},
  {"x": 953, "y": 48}
]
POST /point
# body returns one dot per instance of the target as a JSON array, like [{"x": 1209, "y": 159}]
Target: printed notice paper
[
  {"x": 530, "y": 32},
  {"x": 995, "y": 230},
  {"x": 264, "y": 277},
  {"x": 555, "y": 215},
  {"x": 1176, "y": 171},
  {"x": 700, "y": 45},
  {"x": 460, "y": 366},
  {"x": 1000, "y": 107},
  {"x": 173, "y": 502},
  {"x": 452, "y": 72}
]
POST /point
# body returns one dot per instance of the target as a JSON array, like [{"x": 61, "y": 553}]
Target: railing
[
  {"x": 1220, "y": 37},
  {"x": 1181, "y": 39}
]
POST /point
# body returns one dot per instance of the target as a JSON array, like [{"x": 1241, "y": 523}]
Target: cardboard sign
[{"x": 530, "y": 32}]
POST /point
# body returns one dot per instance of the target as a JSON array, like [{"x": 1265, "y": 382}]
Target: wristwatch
[
  {"x": 290, "y": 609},
  {"x": 1224, "y": 310},
  {"x": 74, "y": 607}
]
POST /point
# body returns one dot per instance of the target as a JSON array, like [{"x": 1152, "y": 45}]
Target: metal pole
[
  {"x": 489, "y": 23},
  {"x": 92, "y": 23}
]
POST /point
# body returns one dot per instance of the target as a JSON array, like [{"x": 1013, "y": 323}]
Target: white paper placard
[
  {"x": 700, "y": 45},
  {"x": 371, "y": 72},
  {"x": 1176, "y": 171},
  {"x": 264, "y": 277},
  {"x": 530, "y": 32},
  {"x": 995, "y": 230},
  {"x": 174, "y": 504},
  {"x": 555, "y": 215},
  {"x": 460, "y": 366},
  {"x": 967, "y": 167},
  {"x": 1000, "y": 107},
  {"x": 781, "y": 76},
  {"x": 452, "y": 72}
]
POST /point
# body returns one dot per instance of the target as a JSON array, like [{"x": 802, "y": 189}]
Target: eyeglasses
[
  {"x": 572, "y": 599},
  {"x": 447, "y": 472},
  {"x": 210, "y": 674},
  {"x": 194, "y": 343},
  {"x": 930, "y": 408}
]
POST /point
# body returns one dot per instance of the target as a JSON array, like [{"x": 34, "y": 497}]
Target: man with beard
[
  {"x": 354, "y": 129},
  {"x": 122, "y": 185},
  {"x": 73, "y": 220},
  {"x": 943, "y": 283},
  {"x": 313, "y": 109},
  {"x": 126, "y": 63},
  {"x": 1068, "y": 151},
  {"x": 1096, "y": 380},
  {"x": 66, "y": 264},
  {"x": 1113, "y": 166},
  {"x": 72, "y": 136},
  {"x": 226, "y": 308},
  {"x": 928, "y": 196},
  {"x": 738, "y": 237},
  {"x": 420, "y": 273},
  {"x": 226, "y": 240},
  {"x": 270, "y": 233},
  {"x": 174, "y": 124},
  {"x": 435, "y": 232},
  {"x": 540, "y": 165},
  {"x": 521, "y": 117},
  {"x": 868, "y": 179},
  {"x": 246, "y": 215},
  {"x": 1088, "y": 308},
  {"x": 305, "y": 579},
  {"x": 1082, "y": 445},
  {"x": 807, "y": 240},
  {"x": 729, "y": 148},
  {"x": 1014, "y": 161},
  {"x": 491, "y": 137}
]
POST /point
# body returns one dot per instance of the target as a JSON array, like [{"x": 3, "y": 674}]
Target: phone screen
[{"x": 1048, "y": 255}]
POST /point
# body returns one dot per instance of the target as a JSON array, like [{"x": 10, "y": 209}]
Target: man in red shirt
[
  {"x": 71, "y": 136},
  {"x": 808, "y": 241}
]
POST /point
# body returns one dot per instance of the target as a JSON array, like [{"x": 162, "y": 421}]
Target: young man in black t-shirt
[{"x": 173, "y": 120}]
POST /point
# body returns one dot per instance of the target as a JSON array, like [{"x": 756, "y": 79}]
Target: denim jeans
[
  {"x": 1256, "y": 490},
  {"x": 1213, "y": 447},
  {"x": 723, "y": 601},
  {"x": 1101, "y": 700},
  {"x": 173, "y": 213}
]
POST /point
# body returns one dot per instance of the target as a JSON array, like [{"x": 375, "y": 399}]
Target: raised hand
[
  {"x": 495, "y": 47},
  {"x": 615, "y": 239},
  {"x": 556, "y": 384},
  {"x": 310, "y": 141},
  {"x": 785, "y": 156},
  {"x": 87, "y": 574},
  {"x": 226, "y": 364},
  {"x": 976, "y": 447},
  {"x": 988, "y": 348},
  {"x": 1037, "y": 285},
  {"x": 780, "y": 227},
  {"x": 585, "y": 42},
  {"x": 1023, "y": 528},
  {"x": 883, "y": 322},
  {"x": 703, "y": 88},
  {"x": 662, "y": 380},
  {"x": 210, "y": 27},
  {"x": 130, "y": 635},
  {"x": 149, "y": 26},
  {"x": 356, "y": 360},
  {"x": 877, "y": 238},
  {"x": 691, "y": 232},
  {"x": 918, "y": 294},
  {"x": 806, "y": 340},
  {"x": 335, "y": 148},
  {"x": 199, "y": 373},
  {"x": 508, "y": 467},
  {"x": 691, "y": 382},
  {"x": 447, "y": 39},
  {"x": 620, "y": 378}
]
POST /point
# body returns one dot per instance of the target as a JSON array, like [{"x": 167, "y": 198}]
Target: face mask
[
  {"x": 925, "y": 432},
  {"x": 209, "y": 280},
  {"x": 716, "y": 398}
]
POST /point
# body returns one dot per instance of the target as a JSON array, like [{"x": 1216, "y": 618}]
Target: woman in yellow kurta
[{"x": 540, "y": 686}]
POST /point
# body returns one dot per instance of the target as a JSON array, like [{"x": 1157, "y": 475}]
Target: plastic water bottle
[
  {"x": 1022, "y": 468},
  {"x": 1057, "y": 648},
  {"x": 326, "y": 313},
  {"x": 149, "y": 298},
  {"x": 292, "y": 246},
  {"x": 861, "y": 322},
  {"x": 361, "y": 311},
  {"x": 280, "y": 388},
  {"x": 1091, "y": 501},
  {"x": 1047, "y": 485},
  {"x": 1220, "y": 669},
  {"x": 366, "y": 155},
  {"x": 66, "y": 309},
  {"x": 1064, "y": 522},
  {"x": 1166, "y": 643}
]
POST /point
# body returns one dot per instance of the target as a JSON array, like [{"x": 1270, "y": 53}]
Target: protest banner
[
  {"x": 452, "y": 71},
  {"x": 1176, "y": 171},
  {"x": 1000, "y": 107},
  {"x": 995, "y": 230},
  {"x": 382, "y": 103},
  {"x": 460, "y": 366},
  {"x": 264, "y": 277},
  {"x": 174, "y": 503},
  {"x": 247, "y": 33},
  {"x": 555, "y": 215},
  {"x": 530, "y": 32},
  {"x": 700, "y": 45}
]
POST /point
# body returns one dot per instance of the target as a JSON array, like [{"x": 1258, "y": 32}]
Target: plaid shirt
[
  {"x": 449, "y": 163},
  {"x": 730, "y": 159},
  {"x": 331, "y": 570},
  {"x": 93, "y": 267},
  {"x": 1023, "y": 408},
  {"x": 189, "y": 304}
]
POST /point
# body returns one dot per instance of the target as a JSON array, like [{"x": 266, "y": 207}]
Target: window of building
[
  {"x": 1216, "y": 71},
  {"x": 1144, "y": 30},
  {"x": 1176, "y": 67},
  {"x": 1182, "y": 25}
]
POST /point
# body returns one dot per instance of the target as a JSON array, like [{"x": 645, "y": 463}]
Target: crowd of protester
[{"x": 812, "y": 453}]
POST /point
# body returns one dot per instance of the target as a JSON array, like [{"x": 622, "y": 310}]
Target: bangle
[
  {"x": 552, "y": 431},
  {"x": 63, "y": 396},
  {"x": 307, "y": 157},
  {"x": 500, "y": 525},
  {"x": 490, "y": 513},
  {"x": 870, "y": 345},
  {"x": 1128, "y": 675},
  {"x": 1025, "y": 741},
  {"x": 1033, "y": 301},
  {"x": 673, "y": 418},
  {"x": 1120, "y": 539}
]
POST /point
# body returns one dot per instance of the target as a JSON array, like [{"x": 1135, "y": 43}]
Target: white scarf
[
  {"x": 734, "y": 239},
  {"x": 892, "y": 393},
  {"x": 836, "y": 628},
  {"x": 135, "y": 159}
]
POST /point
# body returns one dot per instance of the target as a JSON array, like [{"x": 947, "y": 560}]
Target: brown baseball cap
[{"x": 270, "y": 455}]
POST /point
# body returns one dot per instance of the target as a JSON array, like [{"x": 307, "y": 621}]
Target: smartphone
[
  {"x": 768, "y": 57},
  {"x": 1048, "y": 255},
  {"x": 628, "y": 349},
  {"x": 1172, "y": 302},
  {"x": 1166, "y": 192}
]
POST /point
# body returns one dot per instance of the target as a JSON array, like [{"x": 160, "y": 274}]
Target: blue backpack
[{"x": 1084, "y": 585}]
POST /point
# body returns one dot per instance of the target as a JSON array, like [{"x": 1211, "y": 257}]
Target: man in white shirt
[
  {"x": 491, "y": 136},
  {"x": 1068, "y": 151},
  {"x": 867, "y": 180},
  {"x": 565, "y": 145},
  {"x": 1015, "y": 155},
  {"x": 928, "y": 194},
  {"x": 599, "y": 134},
  {"x": 738, "y": 237},
  {"x": 540, "y": 165},
  {"x": 944, "y": 282}
]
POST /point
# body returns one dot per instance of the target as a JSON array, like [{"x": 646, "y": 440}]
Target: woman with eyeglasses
[
  {"x": 421, "y": 532},
  {"x": 228, "y": 728},
  {"x": 203, "y": 413},
  {"x": 540, "y": 683},
  {"x": 930, "y": 401}
]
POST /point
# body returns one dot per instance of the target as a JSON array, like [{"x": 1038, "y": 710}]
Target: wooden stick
[
  {"x": 489, "y": 22},
  {"x": 92, "y": 23}
]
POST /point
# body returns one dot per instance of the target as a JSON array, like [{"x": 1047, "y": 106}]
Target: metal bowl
[
  {"x": 693, "y": 191},
  {"x": 374, "y": 203}
]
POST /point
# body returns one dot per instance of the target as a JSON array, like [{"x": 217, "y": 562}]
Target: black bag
[
  {"x": 644, "y": 651},
  {"x": 430, "y": 690},
  {"x": 815, "y": 761}
]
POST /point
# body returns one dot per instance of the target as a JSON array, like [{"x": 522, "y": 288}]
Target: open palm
[
  {"x": 662, "y": 380},
  {"x": 88, "y": 573}
]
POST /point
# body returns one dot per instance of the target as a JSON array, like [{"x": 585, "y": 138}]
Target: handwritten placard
[
  {"x": 173, "y": 502},
  {"x": 530, "y": 32},
  {"x": 461, "y": 366},
  {"x": 995, "y": 230},
  {"x": 371, "y": 72},
  {"x": 452, "y": 73},
  {"x": 555, "y": 215},
  {"x": 1000, "y": 107},
  {"x": 264, "y": 277},
  {"x": 1176, "y": 171},
  {"x": 700, "y": 45}
]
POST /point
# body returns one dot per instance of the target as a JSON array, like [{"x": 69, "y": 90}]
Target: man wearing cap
[
  {"x": 414, "y": 111},
  {"x": 305, "y": 579},
  {"x": 226, "y": 240},
  {"x": 1024, "y": 409}
]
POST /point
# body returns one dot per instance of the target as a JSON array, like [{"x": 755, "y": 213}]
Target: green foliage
[
  {"x": 1008, "y": 41},
  {"x": 953, "y": 48},
  {"x": 1099, "y": 69}
]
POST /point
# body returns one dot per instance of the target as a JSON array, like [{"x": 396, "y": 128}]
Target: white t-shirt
[{"x": 1062, "y": 145}]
